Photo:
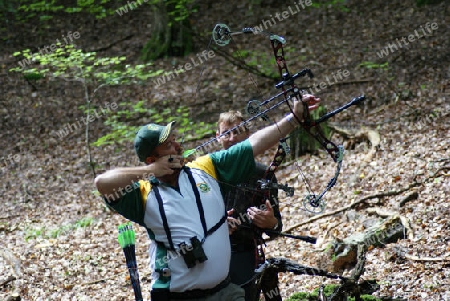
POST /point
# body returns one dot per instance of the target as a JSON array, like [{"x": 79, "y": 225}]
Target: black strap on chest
[
  {"x": 163, "y": 215},
  {"x": 197, "y": 200},
  {"x": 201, "y": 211}
]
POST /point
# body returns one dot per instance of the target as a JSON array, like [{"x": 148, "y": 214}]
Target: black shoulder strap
[
  {"x": 197, "y": 199},
  {"x": 199, "y": 207},
  {"x": 216, "y": 226},
  {"x": 163, "y": 215}
]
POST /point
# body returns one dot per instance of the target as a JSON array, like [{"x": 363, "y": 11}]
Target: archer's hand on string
[
  {"x": 233, "y": 223},
  {"x": 263, "y": 218}
]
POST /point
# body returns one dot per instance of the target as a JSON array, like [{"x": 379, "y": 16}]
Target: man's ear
[{"x": 150, "y": 160}]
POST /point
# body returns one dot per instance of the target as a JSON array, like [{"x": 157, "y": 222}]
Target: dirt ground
[{"x": 59, "y": 241}]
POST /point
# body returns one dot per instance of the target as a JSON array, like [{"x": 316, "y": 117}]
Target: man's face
[
  {"x": 233, "y": 137},
  {"x": 169, "y": 147}
]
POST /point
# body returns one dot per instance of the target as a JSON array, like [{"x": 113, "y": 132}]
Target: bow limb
[{"x": 312, "y": 202}]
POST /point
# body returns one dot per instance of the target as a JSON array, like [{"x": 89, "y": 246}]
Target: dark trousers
[
  {"x": 242, "y": 271},
  {"x": 269, "y": 285}
]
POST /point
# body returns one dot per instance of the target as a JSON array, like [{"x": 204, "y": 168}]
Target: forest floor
[{"x": 59, "y": 241}]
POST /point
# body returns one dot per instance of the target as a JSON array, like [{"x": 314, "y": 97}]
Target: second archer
[{"x": 249, "y": 213}]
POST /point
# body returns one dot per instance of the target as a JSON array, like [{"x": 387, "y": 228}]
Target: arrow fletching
[
  {"x": 126, "y": 235},
  {"x": 188, "y": 152}
]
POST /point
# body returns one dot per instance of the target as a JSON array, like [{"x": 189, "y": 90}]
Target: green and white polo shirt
[{"x": 140, "y": 205}]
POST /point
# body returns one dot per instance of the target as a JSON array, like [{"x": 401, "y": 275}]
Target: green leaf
[{"x": 45, "y": 18}]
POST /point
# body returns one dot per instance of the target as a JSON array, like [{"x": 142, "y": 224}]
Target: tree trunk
[
  {"x": 170, "y": 37},
  {"x": 302, "y": 142},
  {"x": 344, "y": 251}
]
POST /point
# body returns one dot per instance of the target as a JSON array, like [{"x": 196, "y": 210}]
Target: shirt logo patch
[{"x": 203, "y": 187}]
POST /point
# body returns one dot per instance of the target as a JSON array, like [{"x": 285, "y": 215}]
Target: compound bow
[{"x": 222, "y": 35}]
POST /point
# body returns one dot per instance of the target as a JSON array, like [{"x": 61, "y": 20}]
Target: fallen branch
[
  {"x": 410, "y": 197},
  {"x": 361, "y": 260},
  {"x": 9, "y": 216},
  {"x": 374, "y": 196},
  {"x": 351, "y": 287},
  {"x": 95, "y": 281},
  {"x": 435, "y": 174},
  {"x": 8, "y": 280},
  {"x": 283, "y": 265},
  {"x": 381, "y": 212},
  {"x": 403, "y": 254},
  {"x": 354, "y": 204},
  {"x": 104, "y": 48},
  {"x": 441, "y": 160},
  {"x": 429, "y": 259}
]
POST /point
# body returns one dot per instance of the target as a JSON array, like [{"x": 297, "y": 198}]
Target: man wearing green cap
[{"x": 181, "y": 207}]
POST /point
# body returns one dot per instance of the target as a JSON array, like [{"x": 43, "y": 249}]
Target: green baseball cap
[{"x": 149, "y": 137}]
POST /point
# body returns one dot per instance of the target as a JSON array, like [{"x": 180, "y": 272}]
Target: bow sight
[{"x": 221, "y": 34}]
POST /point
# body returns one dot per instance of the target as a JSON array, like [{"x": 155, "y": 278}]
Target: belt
[{"x": 200, "y": 293}]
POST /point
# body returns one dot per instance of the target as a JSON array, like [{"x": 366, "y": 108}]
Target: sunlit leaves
[
  {"x": 70, "y": 62},
  {"x": 182, "y": 9},
  {"x": 121, "y": 131},
  {"x": 44, "y": 8}
]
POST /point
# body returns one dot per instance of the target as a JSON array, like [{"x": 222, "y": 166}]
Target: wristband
[{"x": 289, "y": 118}]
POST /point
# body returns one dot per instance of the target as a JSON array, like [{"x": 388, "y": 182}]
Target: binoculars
[{"x": 193, "y": 252}]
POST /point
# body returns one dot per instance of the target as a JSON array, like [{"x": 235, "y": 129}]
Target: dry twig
[
  {"x": 354, "y": 204},
  {"x": 369, "y": 197},
  {"x": 7, "y": 280},
  {"x": 403, "y": 254}
]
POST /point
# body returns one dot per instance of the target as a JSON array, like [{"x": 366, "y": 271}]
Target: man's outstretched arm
[{"x": 269, "y": 136}]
